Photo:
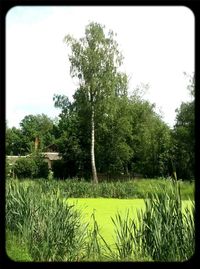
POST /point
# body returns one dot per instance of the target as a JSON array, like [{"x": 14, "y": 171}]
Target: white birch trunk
[{"x": 94, "y": 172}]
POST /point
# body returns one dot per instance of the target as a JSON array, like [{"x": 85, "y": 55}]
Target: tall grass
[
  {"x": 122, "y": 190},
  {"x": 130, "y": 189},
  {"x": 52, "y": 229},
  {"x": 125, "y": 234},
  {"x": 164, "y": 232},
  {"x": 165, "y": 226},
  {"x": 93, "y": 247}
]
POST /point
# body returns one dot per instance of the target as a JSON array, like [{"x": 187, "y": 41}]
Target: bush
[
  {"x": 32, "y": 166},
  {"x": 25, "y": 167},
  {"x": 42, "y": 170}
]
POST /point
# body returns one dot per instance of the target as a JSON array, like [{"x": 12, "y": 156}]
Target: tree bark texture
[{"x": 94, "y": 172}]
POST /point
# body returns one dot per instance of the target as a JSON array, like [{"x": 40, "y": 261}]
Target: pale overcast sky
[{"x": 157, "y": 44}]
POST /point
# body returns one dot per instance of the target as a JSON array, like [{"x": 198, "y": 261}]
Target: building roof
[
  {"x": 12, "y": 159},
  {"x": 52, "y": 156}
]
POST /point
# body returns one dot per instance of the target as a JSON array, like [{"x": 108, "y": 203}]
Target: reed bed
[{"x": 53, "y": 230}]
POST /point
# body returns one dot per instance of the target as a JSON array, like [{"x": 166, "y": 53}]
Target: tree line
[{"x": 105, "y": 129}]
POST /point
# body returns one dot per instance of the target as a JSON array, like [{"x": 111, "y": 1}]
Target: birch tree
[{"x": 95, "y": 60}]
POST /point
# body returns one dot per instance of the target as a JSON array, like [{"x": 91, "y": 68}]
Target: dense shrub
[
  {"x": 32, "y": 166},
  {"x": 25, "y": 167},
  {"x": 42, "y": 170}
]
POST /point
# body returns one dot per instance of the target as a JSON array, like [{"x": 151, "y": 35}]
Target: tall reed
[
  {"x": 52, "y": 229},
  {"x": 163, "y": 232},
  {"x": 168, "y": 232}
]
